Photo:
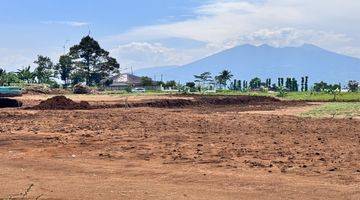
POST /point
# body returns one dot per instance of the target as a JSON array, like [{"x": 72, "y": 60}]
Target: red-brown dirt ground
[{"x": 197, "y": 152}]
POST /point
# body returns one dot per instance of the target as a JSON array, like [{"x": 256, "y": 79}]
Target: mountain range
[{"x": 247, "y": 61}]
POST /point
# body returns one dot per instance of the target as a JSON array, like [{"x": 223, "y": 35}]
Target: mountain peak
[
  {"x": 265, "y": 46},
  {"x": 247, "y": 45},
  {"x": 309, "y": 46},
  {"x": 265, "y": 61}
]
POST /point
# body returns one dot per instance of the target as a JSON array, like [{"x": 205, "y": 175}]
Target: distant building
[{"x": 125, "y": 80}]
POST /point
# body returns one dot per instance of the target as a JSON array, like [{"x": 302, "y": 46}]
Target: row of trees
[
  {"x": 288, "y": 84},
  {"x": 147, "y": 81},
  {"x": 86, "y": 63},
  {"x": 221, "y": 80}
]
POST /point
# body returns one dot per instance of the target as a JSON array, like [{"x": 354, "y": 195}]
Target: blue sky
[{"x": 146, "y": 33}]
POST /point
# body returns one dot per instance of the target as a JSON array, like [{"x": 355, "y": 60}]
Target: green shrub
[
  {"x": 282, "y": 92},
  {"x": 80, "y": 89}
]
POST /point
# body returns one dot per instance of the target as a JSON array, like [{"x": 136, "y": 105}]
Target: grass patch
[
  {"x": 335, "y": 110},
  {"x": 234, "y": 93},
  {"x": 323, "y": 97}
]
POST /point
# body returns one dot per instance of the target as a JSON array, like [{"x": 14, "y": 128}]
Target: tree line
[
  {"x": 290, "y": 84},
  {"x": 85, "y": 62}
]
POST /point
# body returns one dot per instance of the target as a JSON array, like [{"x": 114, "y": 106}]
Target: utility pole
[
  {"x": 64, "y": 47},
  {"x": 89, "y": 30}
]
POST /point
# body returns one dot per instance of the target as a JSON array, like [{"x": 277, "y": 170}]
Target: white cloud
[
  {"x": 13, "y": 59},
  {"x": 222, "y": 24},
  {"x": 67, "y": 23},
  {"x": 144, "y": 54},
  {"x": 279, "y": 37}
]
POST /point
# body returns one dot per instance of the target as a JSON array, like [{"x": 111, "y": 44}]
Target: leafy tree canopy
[
  {"x": 26, "y": 75},
  {"x": 64, "y": 68},
  {"x": 146, "y": 81},
  {"x": 353, "y": 86},
  {"x": 203, "y": 78},
  {"x": 171, "y": 84},
  {"x": 92, "y": 61},
  {"x": 44, "y": 69},
  {"x": 255, "y": 83},
  {"x": 190, "y": 84}
]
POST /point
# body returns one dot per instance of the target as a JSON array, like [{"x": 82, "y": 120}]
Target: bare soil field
[{"x": 152, "y": 149}]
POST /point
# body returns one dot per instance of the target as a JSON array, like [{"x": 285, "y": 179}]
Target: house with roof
[{"x": 125, "y": 80}]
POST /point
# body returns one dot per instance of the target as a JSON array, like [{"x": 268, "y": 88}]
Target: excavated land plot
[{"x": 206, "y": 152}]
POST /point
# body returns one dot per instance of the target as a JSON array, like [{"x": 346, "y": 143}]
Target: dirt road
[{"x": 213, "y": 152}]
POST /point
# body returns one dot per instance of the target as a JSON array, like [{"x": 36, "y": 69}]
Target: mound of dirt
[
  {"x": 198, "y": 101},
  {"x": 236, "y": 100},
  {"x": 207, "y": 101},
  {"x": 166, "y": 103},
  {"x": 61, "y": 103},
  {"x": 9, "y": 103}
]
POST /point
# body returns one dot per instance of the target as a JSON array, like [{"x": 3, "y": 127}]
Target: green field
[
  {"x": 302, "y": 96},
  {"x": 325, "y": 97},
  {"x": 336, "y": 110}
]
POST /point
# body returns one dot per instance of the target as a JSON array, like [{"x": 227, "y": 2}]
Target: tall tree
[
  {"x": 223, "y": 78},
  {"x": 2, "y": 77},
  {"x": 279, "y": 82},
  {"x": 302, "y": 84},
  {"x": 306, "y": 83},
  {"x": 239, "y": 85},
  {"x": 64, "y": 69},
  {"x": 268, "y": 83},
  {"x": 92, "y": 61},
  {"x": 44, "y": 69},
  {"x": 245, "y": 85},
  {"x": 234, "y": 85},
  {"x": 294, "y": 85},
  {"x": 288, "y": 84}
]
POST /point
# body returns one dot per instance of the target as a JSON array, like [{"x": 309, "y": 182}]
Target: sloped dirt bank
[
  {"x": 9, "y": 103},
  {"x": 246, "y": 102},
  {"x": 201, "y": 101}
]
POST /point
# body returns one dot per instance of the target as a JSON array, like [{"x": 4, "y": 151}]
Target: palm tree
[
  {"x": 26, "y": 75},
  {"x": 223, "y": 78}
]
